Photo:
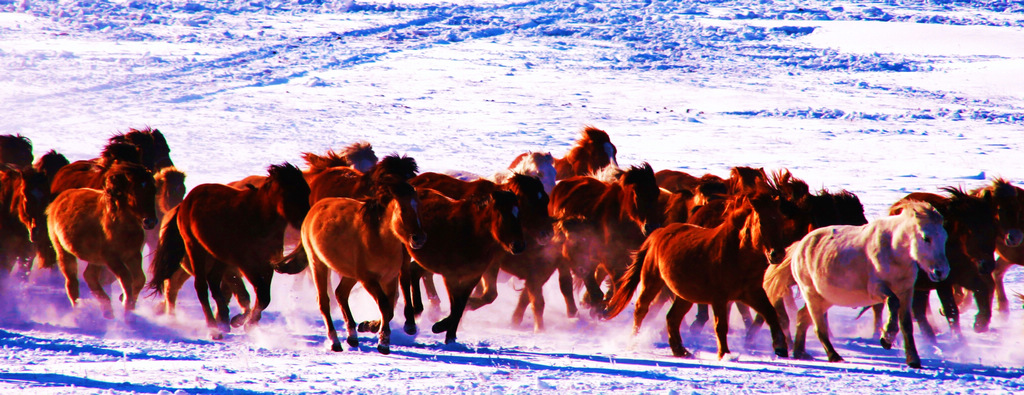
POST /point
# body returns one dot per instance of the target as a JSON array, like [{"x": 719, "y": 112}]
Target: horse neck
[
  {"x": 729, "y": 232},
  {"x": 118, "y": 213},
  {"x": 265, "y": 202}
]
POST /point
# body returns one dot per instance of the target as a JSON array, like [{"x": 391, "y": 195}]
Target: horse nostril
[
  {"x": 1014, "y": 238},
  {"x": 518, "y": 246},
  {"x": 418, "y": 241},
  {"x": 149, "y": 223}
]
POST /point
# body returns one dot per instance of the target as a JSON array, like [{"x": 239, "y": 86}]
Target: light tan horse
[
  {"x": 107, "y": 229},
  {"x": 362, "y": 241},
  {"x": 864, "y": 265}
]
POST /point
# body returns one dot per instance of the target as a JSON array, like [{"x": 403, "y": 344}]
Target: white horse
[
  {"x": 537, "y": 164},
  {"x": 857, "y": 266}
]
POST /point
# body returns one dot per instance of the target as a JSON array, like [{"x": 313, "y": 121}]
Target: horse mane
[
  {"x": 608, "y": 174},
  {"x": 373, "y": 208},
  {"x": 16, "y": 141},
  {"x": 394, "y": 167},
  {"x": 520, "y": 182},
  {"x": 151, "y": 143},
  {"x": 116, "y": 180},
  {"x": 119, "y": 151},
  {"x": 999, "y": 189},
  {"x": 319, "y": 163},
  {"x": 923, "y": 210},
  {"x": 964, "y": 206},
  {"x": 792, "y": 187},
  {"x": 742, "y": 179},
  {"x": 641, "y": 174},
  {"x": 593, "y": 135},
  {"x": 285, "y": 175},
  {"x": 357, "y": 148},
  {"x": 50, "y": 163}
]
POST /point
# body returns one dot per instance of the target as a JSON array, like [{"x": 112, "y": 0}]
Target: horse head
[
  {"x": 170, "y": 188},
  {"x": 537, "y": 164},
  {"x": 533, "y": 202},
  {"x": 923, "y": 225},
  {"x": 286, "y": 181},
  {"x": 152, "y": 146},
  {"x": 361, "y": 156},
  {"x": 120, "y": 151},
  {"x": 35, "y": 195},
  {"x": 50, "y": 163},
  {"x": 405, "y": 219},
  {"x": 505, "y": 226},
  {"x": 763, "y": 226},
  {"x": 972, "y": 223},
  {"x": 131, "y": 187},
  {"x": 1006, "y": 200},
  {"x": 596, "y": 143},
  {"x": 641, "y": 190},
  {"x": 849, "y": 210}
]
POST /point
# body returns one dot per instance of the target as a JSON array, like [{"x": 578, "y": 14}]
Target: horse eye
[
  {"x": 515, "y": 212},
  {"x": 927, "y": 239}
]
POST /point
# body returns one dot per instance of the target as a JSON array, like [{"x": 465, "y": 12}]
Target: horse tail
[
  {"x": 293, "y": 263},
  {"x": 627, "y": 284},
  {"x": 779, "y": 280},
  {"x": 169, "y": 253}
]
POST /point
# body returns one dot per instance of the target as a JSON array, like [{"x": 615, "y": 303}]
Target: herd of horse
[{"x": 667, "y": 236}]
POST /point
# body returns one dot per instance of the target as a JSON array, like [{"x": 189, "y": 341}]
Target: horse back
[
  {"x": 78, "y": 174},
  {"x": 675, "y": 181},
  {"x": 576, "y": 196},
  {"x": 337, "y": 182},
  {"x": 453, "y": 187},
  {"x": 230, "y": 223}
]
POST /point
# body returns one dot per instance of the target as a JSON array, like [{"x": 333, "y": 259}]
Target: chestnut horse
[
  {"x": 535, "y": 264},
  {"x": 971, "y": 225},
  {"x": 466, "y": 236},
  {"x": 613, "y": 219},
  {"x": 16, "y": 150},
  {"x": 107, "y": 229},
  {"x": 862, "y": 265},
  {"x": 708, "y": 265},
  {"x": 343, "y": 181},
  {"x": 594, "y": 150},
  {"x": 221, "y": 228},
  {"x": 1006, "y": 254},
  {"x": 362, "y": 241}
]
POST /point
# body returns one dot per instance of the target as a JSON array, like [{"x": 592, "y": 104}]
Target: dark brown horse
[
  {"x": 613, "y": 219},
  {"x": 593, "y": 151},
  {"x": 363, "y": 241},
  {"x": 1007, "y": 253},
  {"x": 536, "y": 264},
  {"x": 92, "y": 173},
  {"x": 971, "y": 225},
  {"x": 221, "y": 228},
  {"x": 466, "y": 236},
  {"x": 16, "y": 150},
  {"x": 711, "y": 266},
  {"x": 24, "y": 195},
  {"x": 105, "y": 228}
]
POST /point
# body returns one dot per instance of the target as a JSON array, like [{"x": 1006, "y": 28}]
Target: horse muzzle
[
  {"x": 1013, "y": 237},
  {"x": 149, "y": 223},
  {"x": 936, "y": 275},
  {"x": 417, "y": 241}
]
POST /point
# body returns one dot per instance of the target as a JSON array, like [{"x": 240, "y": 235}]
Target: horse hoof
[
  {"x": 384, "y": 349},
  {"x": 835, "y": 358},
  {"x": 980, "y": 327},
  {"x": 440, "y": 326},
  {"x": 885, "y": 344},
  {"x": 802, "y": 355},
  {"x": 782, "y": 352},
  {"x": 218, "y": 335},
  {"x": 353, "y": 341},
  {"x": 336, "y": 347},
  {"x": 449, "y": 340},
  {"x": 237, "y": 321},
  {"x": 914, "y": 364},
  {"x": 410, "y": 328}
]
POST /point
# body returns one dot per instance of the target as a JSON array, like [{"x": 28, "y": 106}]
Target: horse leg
[
  {"x": 171, "y": 288},
  {"x": 383, "y": 326},
  {"x": 721, "y": 312},
  {"x": 202, "y": 286},
  {"x": 949, "y": 307},
  {"x": 906, "y": 325},
  {"x": 534, "y": 289},
  {"x": 758, "y": 300},
  {"x": 920, "y": 313},
  {"x": 405, "y": 281},
  {"x": 1002, "y": 302},
  {"x": 341, "y": 293},
  {"x": 565, "y": 286},
  {"x": 650, "y": 288},
  {"x": 699, "y": 321},
  {"x": 431, "y": 290},
  {"x": 214, "y": 279},
  {"x": 803, "y": 321},
  {"x": 69, "y": 268},
  {"x": 744, "y": 311},
  {"x": 414, "y": 298},
  {"x": 233, "y": 285},
  {"x": 260, "y": 276},
  {"x": 983, "y": 290},
  {"x": 92, "y": 279},
  {"x": 876, "y": 314},
  {"x": 459, "y": 295},
  {"x": 892, "y": 325},
  {"x": 818, "y": 310},
  {"x": 673, "y": 321},
  {"x": 321, "y": 275},
  {"x": 489, "y": 282}
]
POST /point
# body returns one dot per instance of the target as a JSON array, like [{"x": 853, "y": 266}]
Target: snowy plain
[{"x": 880, "y": 98}]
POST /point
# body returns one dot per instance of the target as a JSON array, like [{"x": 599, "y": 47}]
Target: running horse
[
  {"x": 24, "y": 195},
  {"x": 220, "y": 228},
  {"x": 358, "y": 156},
  {"x": 105, "y": 228},
  {"x": 863, "y": 265},
  {"x": 1009, "y": 203},
  {"x": 608, "y": 220},
  {"x": 363, "y": 241},
  {"x": 713, "y": 266}
]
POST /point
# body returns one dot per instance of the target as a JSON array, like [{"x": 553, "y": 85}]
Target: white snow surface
[{"x": 880, "y": 98}]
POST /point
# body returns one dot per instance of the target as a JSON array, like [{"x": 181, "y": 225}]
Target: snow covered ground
[{"x": 881, "y": 98}]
